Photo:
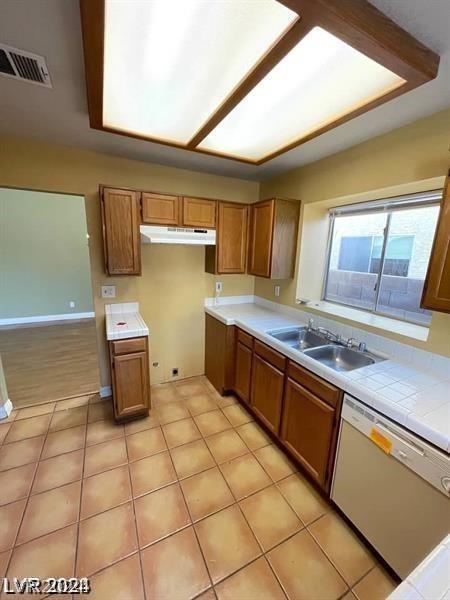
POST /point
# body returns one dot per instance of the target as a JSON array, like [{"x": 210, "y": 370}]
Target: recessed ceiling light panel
[
  {"x": 319, "y": 81},
  {"x": 169, "y": 64}
]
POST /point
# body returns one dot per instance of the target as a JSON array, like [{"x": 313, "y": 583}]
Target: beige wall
[
  {"x": 415, "y": 152},
  {"x": 174, "y": 284}
]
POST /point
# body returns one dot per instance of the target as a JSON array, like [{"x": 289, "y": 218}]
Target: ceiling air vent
[{"x": 19, "y": 64}]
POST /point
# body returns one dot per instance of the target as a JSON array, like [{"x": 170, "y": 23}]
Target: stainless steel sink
[
  {"x": 299, "y": 338},
  {"x": 341, "y": 358}
]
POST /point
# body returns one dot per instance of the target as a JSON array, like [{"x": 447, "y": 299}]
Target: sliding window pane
[
  {"x": 408, "y": 249},
  {"x": 355, "y": 248}
]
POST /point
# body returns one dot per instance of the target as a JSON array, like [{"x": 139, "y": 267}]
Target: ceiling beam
[{"x": 93, "y": 28}]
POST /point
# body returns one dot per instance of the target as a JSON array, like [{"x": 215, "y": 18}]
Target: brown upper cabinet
[
  {"x": 230, "y": 252},
  {"x": 121, "y": 237},
  {"x": 273, "y": 238},
  {"x": 199, "y": 212},
  {"x": 436, "y": 290},
  {"x": 160, "y": 209}
]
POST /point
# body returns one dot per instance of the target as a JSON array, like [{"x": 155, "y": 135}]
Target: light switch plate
[
  {"x": 108, "y": 291},
  {"x": 218, "y": 287},
  {"x": 276, "y": 289}
]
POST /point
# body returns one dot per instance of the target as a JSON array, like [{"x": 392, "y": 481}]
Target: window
[{"x": 379, "y": 253}]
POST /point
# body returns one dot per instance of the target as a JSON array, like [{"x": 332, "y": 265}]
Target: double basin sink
[{"x": 332, "y": 354}]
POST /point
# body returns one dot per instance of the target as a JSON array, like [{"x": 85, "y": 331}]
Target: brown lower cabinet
[
  {"x": 130, "y": 378},
  {"x": 300, "y": 408}
]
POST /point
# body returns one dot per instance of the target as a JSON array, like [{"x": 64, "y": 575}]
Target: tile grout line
[{"x": 75, "y": 570}]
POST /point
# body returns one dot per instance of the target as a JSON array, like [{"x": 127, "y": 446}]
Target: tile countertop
[
  {"x": 124, "y": 321},
  {"x": 430, "y": 580},
  {"x": 414, "y": 396}
]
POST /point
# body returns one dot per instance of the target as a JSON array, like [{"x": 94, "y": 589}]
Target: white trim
[
  {"x": 6, "y": 409},
  {"x": 42, "y": 318},
  {"x": 105, "y": 391},
  {"x": 223, "y": 301}
]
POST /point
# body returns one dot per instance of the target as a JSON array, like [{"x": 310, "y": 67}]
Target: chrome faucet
[
  {"x": 310, "y": 324},
  {"x": 330, "y": 335},
  {"x": 351, "y": 342}
]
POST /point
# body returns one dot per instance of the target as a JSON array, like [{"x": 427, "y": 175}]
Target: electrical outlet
[
  {"x": 72, "y": 304},
  {"x": 218, "y": 287},
  {"x": 108, "y": 291},
  {"x": 276, "y": 290},
  {"x": 175, "y": 372}
]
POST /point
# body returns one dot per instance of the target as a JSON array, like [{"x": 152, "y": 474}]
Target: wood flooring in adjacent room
[{"x": 51, "y": 362}]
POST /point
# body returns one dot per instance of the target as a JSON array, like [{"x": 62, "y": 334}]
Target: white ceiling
[{"x": 52, "y": 28}]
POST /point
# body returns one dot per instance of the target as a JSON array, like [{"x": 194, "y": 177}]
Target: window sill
[{"x": 417, "y": 332}]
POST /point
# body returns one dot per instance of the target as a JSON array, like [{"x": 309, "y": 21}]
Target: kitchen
[{"x": 235, "y": 458}]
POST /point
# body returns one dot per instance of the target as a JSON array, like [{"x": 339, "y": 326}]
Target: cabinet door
[
  {"x": 198, "y": 212},
  {"x": 436, "y": 291},
  {"x": 243, "y": 371},
  {"x": 231, "y": 238},
  {"x": 219, "y": 354},
  {"x": 131, "y": 389},
  {"x": 261, "y": 234},
  {"x": 121, "y": 237},
  {"x": 160, "y": 209},
  {"x": 267, "y": 392},
  {"x": 307, "y": 429}
]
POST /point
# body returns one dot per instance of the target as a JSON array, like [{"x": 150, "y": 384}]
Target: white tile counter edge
[
  {"x": 411, "y": 387},
  {"x": 430, "y": 580},
  {"x": 128, "y": 313}
]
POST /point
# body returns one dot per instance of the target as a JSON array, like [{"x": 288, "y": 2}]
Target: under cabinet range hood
[{"x": 155, "y": 234}]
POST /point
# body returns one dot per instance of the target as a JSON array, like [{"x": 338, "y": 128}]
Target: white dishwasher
[{"x": 392, "y": 485}]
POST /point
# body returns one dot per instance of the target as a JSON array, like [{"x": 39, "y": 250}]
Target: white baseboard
[
  {"x": 43, "y": 318},
  {"x": 105, "y": 391}
]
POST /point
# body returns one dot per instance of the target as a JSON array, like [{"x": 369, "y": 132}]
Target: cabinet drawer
[
  {"x": 272, "y": 356},
  {"x": 245, "y": 338},
  {"x": 129, "y": 345},
  {"x": 326, "y": 391}
]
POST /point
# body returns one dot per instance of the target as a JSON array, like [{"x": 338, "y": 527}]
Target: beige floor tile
[
  {"x": 100, "y": 410},
  {"x": 27, "y": 428},
  {"x": 376, "y": 585},
  {"x": 70, "y": 417},
  {"x": 193, "y": 386},
  {"x": 121, "y": 581},
  {"x": 16, "y": 483},
  {"x": 72, "y": 403},
  {"x": 274, "y": 462},
  {"x": 181, "y": 432},
  {"x": 50, "y": 556},
  {"x": 4, "y": 560},
  {"x": 160, "y": 513},
  {"x": 212, "y": 422},
  {"x": 105, "y": 456},
  {"x": 237, "y": 415},
  {"x": 256, "y": 581},
  {"x": 67, "y": 440},
  {"x": 11, "y": 417},
  {"x": 223, "y": 401},
  {"x": 208, "y": 595},
  {"x": 304, "y": 499},
  {"x": 343, "y": 548},
  {"x": 206, "y": 493},
  {"x": 58, "y": 470},
  {"x": 174, "y": 411},
  {"x": 152, "y": 473},
  {"x": 227, "y": 542},
  {"x": 253, "y": 435},
  {"x": 191, "y": 458},
  {"x": 105, "y": 490},
  {"x": 142, "y": 424},
  {"x": 270, "y": 517},
  {"x": 200, "y": 403},
  {"x": 349, "y": 596},
  {"x": 105, "y": 538},
  {"x": 145, "y": 443},
  {"x": 10, "y": 518},
  {"x": 4, "y": 428},
  {"x": 102, "y": 431},
  {"x": 35, "y": 411},
  {"x": 174, "y": 568},
  {"x": 49, "y": 511},
  {"x": 245, "y": 476},
  {"x": 164, "y": 394},
  {"x": 20, "y": 453},
  {"x": 304, "y": 571},
  {"x": 226, "y": 445}
]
